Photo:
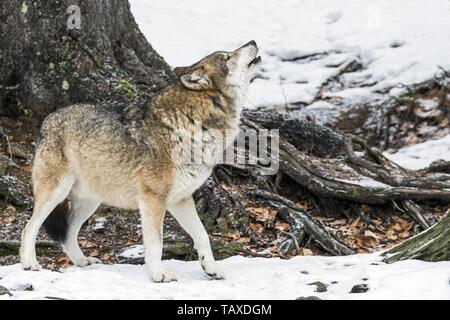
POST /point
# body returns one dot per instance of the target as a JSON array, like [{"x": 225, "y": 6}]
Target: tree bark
[
  {"x": 45, "y": 65},
  {"x": 432, "y": 244}
]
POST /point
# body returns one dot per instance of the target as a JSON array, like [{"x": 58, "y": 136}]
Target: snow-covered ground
[
  {"x": 401, "y": 41},
  {"x": 247, "y": 278},
  {"x": 421, "y": 155}
]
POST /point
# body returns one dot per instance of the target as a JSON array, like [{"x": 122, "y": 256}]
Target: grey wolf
[{"x": 87, "y": 155}]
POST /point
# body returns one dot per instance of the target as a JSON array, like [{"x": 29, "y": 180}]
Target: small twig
[
  {"x": 286, "y": 104},
  {"x": 8, "y": 144},
  {"x": 254, "y": 254},
  {"x": 276, "y": 184},
  {"x": 10, "y": 87},
  {"x": 343, "y": 68},
  {"x": 415, "y": 212},
  {"x": 297, "y": 247},
  {"x": 366, "y": 219},
  {"x": 300, "y": 221}
]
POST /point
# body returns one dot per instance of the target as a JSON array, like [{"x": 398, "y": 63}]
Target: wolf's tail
[{"x": 57, "y": 223}]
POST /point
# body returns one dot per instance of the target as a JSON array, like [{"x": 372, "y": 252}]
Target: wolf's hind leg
[
  {"x": 80, "y": 211},
  {"x": 152, "y": 211},
  {"x": 186, "y": 214},
  {"x": 48, "y": 194}
]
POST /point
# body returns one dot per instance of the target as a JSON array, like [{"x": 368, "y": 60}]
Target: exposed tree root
[
  {"x": 332, "y": 166},
  {"x": 4, "y": 244},
  {"x": 300, "y": 222},
  {"x": 432, "y": 244}
]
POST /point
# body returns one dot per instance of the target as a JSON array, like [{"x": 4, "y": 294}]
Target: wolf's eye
[
  {"x": 225, "y": 69},
  {"x": 223, "y": 66},
  {"x": 225, "y": 57}
]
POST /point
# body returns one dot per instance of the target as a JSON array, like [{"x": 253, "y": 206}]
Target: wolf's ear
[
  {"x": 179, "y": 71},
  {"x": 194, "y": 79}
]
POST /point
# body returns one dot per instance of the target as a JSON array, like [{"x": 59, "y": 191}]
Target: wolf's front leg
[
  {"x": 152, "y": 211},
  {"x": 186, "y": 214}
]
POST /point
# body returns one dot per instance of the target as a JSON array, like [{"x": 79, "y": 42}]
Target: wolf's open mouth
[{"x": 255, "y": 61}]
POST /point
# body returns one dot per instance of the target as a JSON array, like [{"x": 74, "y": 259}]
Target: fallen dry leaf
[
  {"x": 243, "y": 240},
  {"x": 282, "y": 226},
  {"x": 233, "y": 235},
  {"x": 84, "y": 243},
  {"x": 105, "y": 256},
  {"x": 372, "y": 234},
  {"x": 64, "y": 262},
  {"x": 306, "y": 252},
  {"x": 262, "y": 214},
  {"x": 256, "y": 227}
]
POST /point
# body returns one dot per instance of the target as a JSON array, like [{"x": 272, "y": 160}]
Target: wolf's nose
[{"x": 252, "y": 43}]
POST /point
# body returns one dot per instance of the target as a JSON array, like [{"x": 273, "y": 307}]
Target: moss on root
[
  {"x": 432, "y": 244},
  {"x": 128, "y": 89}
]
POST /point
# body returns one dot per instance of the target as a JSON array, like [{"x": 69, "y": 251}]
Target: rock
[
  {"x": 176, "y": 250},
  {"x": 17, "y": 150},
  {"x": 308, "y": 298},
  {"x": 99, "y": 224},
  {"x": 4, "y": 291},
  {"x": 222, "y": 223},
  {"x": 360, "y": 288},
  {"x": 320, "y": 287},
  {"x": 440, "y": 166},
  {"x": 304, "y": 272},
  {"x": 286, "y": 246},
  {"x": 14, "y": 191}
]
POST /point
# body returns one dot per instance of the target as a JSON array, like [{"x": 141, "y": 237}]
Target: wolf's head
[{"x": 227, "y": 72}]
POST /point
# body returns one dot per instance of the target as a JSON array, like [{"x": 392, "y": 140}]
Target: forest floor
[{"x": 110, "y": 231}]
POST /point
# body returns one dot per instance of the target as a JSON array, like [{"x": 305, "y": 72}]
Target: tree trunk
[
  {"x": 47, "y": 63},
  {"x": 432, "y": 244}
]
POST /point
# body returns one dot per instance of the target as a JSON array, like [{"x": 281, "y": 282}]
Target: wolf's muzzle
[{"x": 250, "y": 43}]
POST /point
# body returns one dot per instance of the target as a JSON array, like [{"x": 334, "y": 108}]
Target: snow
[
  {"x": 367, "y": 182},
  {"x": 100, "y": 223},
  {"x": 304, "y": 42},
  {"x": 133, "y": 252},
  {"x": 258, "y": 278},
  {"x": 421, "y": 155}
]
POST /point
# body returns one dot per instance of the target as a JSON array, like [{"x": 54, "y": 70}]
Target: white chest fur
[{"x": 187, "y": 179}]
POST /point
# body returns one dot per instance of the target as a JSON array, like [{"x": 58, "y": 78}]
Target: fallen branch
[
  {"x": 15, "y": 244},
  {"x": 416, "y": 213},
  {"x": 300, "y": 222}
]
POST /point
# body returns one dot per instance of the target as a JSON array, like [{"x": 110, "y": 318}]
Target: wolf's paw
[
  {"x": 213, "y": 270},
  {"x": 163, "y": 276},
  {"x": 32, "y": 265},
  {"x": 87, "y": 262}
]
